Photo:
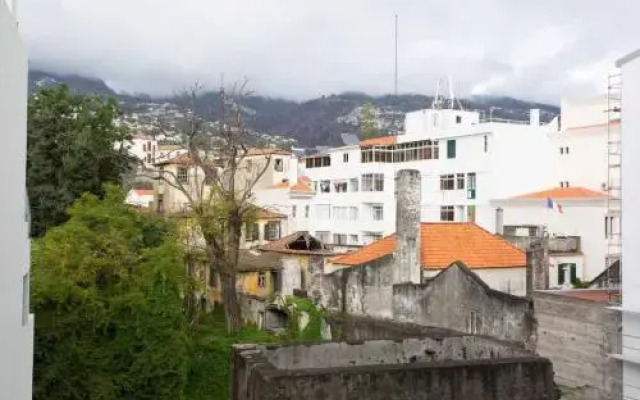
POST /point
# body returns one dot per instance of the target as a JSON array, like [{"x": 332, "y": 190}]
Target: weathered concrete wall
[
  {"x": 407, "y": 253},
  {"x": 294, "y": 270},
  {"x": 577, "y": 336},
  {"x": 457, "y": 299},
  {"x": 252, "y": 308},
  {"x": 398, "y": 377}
]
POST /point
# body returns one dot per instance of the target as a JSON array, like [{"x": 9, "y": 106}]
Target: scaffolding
[{"x": 613, "y": 216}]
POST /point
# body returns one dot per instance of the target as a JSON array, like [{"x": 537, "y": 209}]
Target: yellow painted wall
[{"x": 248, "y": 283}]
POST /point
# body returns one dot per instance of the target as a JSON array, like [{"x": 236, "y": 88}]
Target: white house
[
  {"x": 140, "y": 197},
  {"x": 16, "y": 323},
  {"x": 144, "y": 148},
  {"x": 463, "y": 163},
  {"x": 574, "y": 218},
  {"x": 630, "y": 67}
]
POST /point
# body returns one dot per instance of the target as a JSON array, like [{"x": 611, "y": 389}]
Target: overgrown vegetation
[{"x": 296, "y": 308}]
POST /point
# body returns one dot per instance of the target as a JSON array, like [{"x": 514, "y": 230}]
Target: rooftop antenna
[{"x": 395, "y": 70}]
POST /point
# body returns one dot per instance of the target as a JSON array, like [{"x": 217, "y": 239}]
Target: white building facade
[
  {"x": 630, "y": 67},
  {"x": 16, "y": 322},
  {"x": 464, "y": 163}
]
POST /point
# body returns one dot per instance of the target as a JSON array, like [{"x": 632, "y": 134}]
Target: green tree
[
  {"x": 72, "y": 148},
  {"x": 108, "y": 300},
  {"x": 367, "y": 122}
]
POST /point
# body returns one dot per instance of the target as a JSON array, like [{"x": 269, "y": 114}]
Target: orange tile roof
[
  {"x": 301, "y": 187},
  {"x": 144, "y": 192},
  {"x": 599, "y": 295},
  {"x": 304, "y": 178},
  {"x": 264, "y": 213},
  {"x": 575, "y": 192},
  {"x": 444, "y": 243},
  {"x": 280, "y": 185},
  {"x": 379, "y": 141}
]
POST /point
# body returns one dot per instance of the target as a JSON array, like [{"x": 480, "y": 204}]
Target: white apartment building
[
  {"x": 144, "y": 148},
  {"x": 630, "y": 67},
  {"x": 16, "y": 322},
  {"x": 464, "y": 164}
]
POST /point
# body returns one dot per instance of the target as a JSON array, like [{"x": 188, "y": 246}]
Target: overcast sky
[{"x": 300, "y": 49}]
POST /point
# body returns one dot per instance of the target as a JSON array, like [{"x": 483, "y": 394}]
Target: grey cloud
[{"x": 539, "y": 50}]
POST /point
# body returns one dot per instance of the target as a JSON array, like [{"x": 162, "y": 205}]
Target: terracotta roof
[
  {"x": 263, "y": 213},
  {"x": 301, "y": 187},
  {"x": 182, "y": 159},
  {"x": 267, "y": 151},
  {"x": 598, "y": 295},
  {"x": 281, "y": 185},
  {"x": 144, "y": 192},
  {"x": 300, "y": 242},
  {"x": 379, "y": 141},
  {"x": 304, "y": 179},
  {"x": 446, "y": 242},
  {"x": 575, "y": 192}
]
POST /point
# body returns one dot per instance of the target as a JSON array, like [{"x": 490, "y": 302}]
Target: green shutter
[{"x": 451, "y": 149}]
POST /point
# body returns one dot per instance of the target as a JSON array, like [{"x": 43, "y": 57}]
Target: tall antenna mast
[{"x": 395, "y": 71}]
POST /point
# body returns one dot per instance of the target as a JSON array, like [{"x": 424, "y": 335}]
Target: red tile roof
[
  {"x": 144, "y": 192},
  {"x": 301, "y": 187},
  {"x": 598, "y": 295},
  {"x": 575, "y": 192},
  {"x": 379, "y": 141},
  {"x": 444, "y": 243}
]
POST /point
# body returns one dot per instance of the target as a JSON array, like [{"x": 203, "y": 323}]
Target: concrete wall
[
  {"x": 456, "y": 300},
  {"x": 389, "y": 370},
  {"x": 16, "y": 323},
  {"x": 578, "y": 336}
]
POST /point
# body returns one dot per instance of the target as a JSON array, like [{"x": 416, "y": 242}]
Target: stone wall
[
  {"x": 457, "y": 299},
  {"x": 577, "y": 336},
  {"x": 453, "y": 368}
]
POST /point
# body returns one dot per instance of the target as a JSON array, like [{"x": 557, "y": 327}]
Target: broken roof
[
  {"x": 300, "y": 242},
  {"x": 443, "y": 243}
]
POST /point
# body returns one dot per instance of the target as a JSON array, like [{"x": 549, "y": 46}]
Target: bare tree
[{"x": 223, "y": 171}]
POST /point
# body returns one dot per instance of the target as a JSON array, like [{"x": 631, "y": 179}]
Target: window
[
  {"x": 293, "y": 211},
  {"x": 566, "y": 150},
  {"x": 609, "y": 232},
  {"x": 25, "y": 299},
  {"x": 566, "y": 184},
  {"x": 561, "y": 150},
  {"x": 401, "y": 152},
  {"x": 341, "y": 213},
  {"x": 353, "y": 184},
  {"x": 160, "y": 207},
  {"x": 144, "y": 147},
  {"x": 315, "y": 186},
  {"x": 564, "y": 270},
  {"x": 458, "y": 119},
  {"x": 447, "y": 182},
  {"x": 561, "y": 184},
  {"x": 447, "y": 213},
  {"x": 251, "y": 231},
  {"x": 353, "y": 213},
  {"x": 325, "y": 186},
  {"x": 340, "y": 187},
  {"x": 486, "y": 143},
  {"x": 459, "y": 181},
  {"x": 372, "y": 182},
  {"x": 368, "y": 237},
  {"x": 322, "y": 236},
  {"x": 471, "y": 213},
  {"x": 318, "y": 162},
  {"x": 149, "y": 158},
  {"x": 353, "y": 239},
  {"x": 471, "y": 185},
  {"x": 345, "y": 157},
  {"x": 340, "y": 238},
  {"x": 306, "y": 211},
  {"x": 279, "y": 165},
  {"x": 262, "y": 280},
  {"x": 191, "y": 269},
  {"x": 472, "y": 323},
  {"x": 323, "y": 211},
  {"x": 377, "y": 212},
  {"x": 183, "y": 175},
  {"x": 451, "y": 148},
  {"x": 272, "y": 230}
]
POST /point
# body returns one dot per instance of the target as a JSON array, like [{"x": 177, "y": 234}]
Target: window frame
[
  {"x": 182, "y": 174},
  {"x": 445, "y": 211},
  {"x": 448, "y": 182},
  {"x": 262, "y": 280},
  {"x": 377, "y": 212}
]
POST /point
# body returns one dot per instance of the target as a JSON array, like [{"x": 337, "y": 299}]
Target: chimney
[
  {"x": 538, "y": 265},
  {"x": 534, "y": 117},
  {"x": 407, "y": 255},
  {"x": 499, "y": 221}
]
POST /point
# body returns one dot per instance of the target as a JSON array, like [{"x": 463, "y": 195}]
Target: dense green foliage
[
  {"x": 367, "y": 122},
  {"x": 71, "y": 149},
  {"x": 210, "y": 369},
  {"x": 313, "y": 330},
  {"x": 107, "y": 288}
]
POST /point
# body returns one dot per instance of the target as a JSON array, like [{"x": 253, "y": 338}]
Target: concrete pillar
[
  {"x": 499, "y": 221},
  {"x": 407, "y": 255},
  {"x": 538, "y": 265}
]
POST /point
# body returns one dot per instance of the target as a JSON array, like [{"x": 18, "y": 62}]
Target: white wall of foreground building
[
  {"x": 16, "y": 324},
  {"x": 630, "y": 66}
]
